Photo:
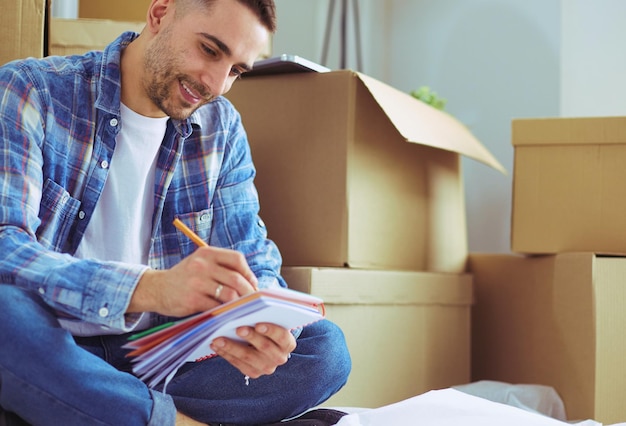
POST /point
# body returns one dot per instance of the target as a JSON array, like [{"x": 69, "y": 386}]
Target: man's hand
[
  {"x": 266, "y": 347},
  {"x": 208, "y": 277}
]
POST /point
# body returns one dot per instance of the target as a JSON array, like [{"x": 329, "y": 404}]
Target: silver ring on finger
[{"x": 218, "y": 291}]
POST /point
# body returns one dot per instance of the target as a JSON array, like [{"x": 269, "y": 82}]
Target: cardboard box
[
  {"x": 77, "y": 36},
  {"x": 408, "y": 332},
  {"x": 352, "y": 172},
  {"x": 22, "y": 29},
  {"x": 568, "y": 185},
  {"x": 26, "y": 30},
  {"x": 116, "y": 10},
  {"x": 555, "y": 320}
]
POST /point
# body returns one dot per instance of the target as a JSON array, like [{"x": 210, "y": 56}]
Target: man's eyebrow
[
  {"x": 220, "y": 44},
  {"x": 224, "y": 48}
]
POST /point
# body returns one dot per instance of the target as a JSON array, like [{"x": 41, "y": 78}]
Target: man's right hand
[{"x": 208, "y": 277}]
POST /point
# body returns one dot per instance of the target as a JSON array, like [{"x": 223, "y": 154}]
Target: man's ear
[{"x": 157, "y": 10}]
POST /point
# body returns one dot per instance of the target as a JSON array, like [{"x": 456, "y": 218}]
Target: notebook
[{"x": 158, "y": 353}]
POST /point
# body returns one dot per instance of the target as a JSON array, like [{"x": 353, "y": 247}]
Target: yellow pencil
[{"x": 188, "y": 232}]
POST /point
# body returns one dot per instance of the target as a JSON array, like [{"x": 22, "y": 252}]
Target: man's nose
[{"x": 217, "y": 79}]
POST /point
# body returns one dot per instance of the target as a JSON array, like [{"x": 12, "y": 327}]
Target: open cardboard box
[{"x": 352, "y": 172}]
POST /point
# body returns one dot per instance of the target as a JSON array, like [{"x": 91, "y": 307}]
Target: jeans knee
[{"x": 334, "y": 353}]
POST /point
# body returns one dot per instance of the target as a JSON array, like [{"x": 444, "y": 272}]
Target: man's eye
[
  {"x": 208, "y": 50},
  {"x": 236, "y": 72}
]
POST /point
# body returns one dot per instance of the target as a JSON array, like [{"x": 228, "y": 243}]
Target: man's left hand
[{"x": 266, "y": 347}]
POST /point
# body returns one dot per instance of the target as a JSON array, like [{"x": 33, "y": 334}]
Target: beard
[{"x": 162, "y": 80}]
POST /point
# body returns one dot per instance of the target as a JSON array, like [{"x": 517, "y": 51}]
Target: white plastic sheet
[{"x": 451, "y": 407}]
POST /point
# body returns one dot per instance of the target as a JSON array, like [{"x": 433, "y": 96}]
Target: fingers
[
  {"x": 236, "y": 261},
  {"x": 207, "y": 278},
  {"x": 229, "y": 269},
  {"x": 266, "y": 347}
]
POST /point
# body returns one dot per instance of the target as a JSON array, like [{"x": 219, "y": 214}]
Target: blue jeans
[{"x": 48, "y": 377}]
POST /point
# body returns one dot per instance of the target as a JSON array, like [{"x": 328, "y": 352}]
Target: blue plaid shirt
[{"x": 59, "y": 117}]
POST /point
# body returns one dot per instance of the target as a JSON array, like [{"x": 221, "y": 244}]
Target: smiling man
[{"x": 100, "y": 153}]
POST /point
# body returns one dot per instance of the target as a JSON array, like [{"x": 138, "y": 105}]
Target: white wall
[
  {"x": 593, "y": 60},
  {"x": 67, "y": 9},
  {"x": 494, "y": 60}
]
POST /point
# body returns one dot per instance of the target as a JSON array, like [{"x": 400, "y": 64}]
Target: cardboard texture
[
  {"x": 555, "y": 320},
  {"x": 340, "y": 185},
  {"x": 407, "y": 332},
  {"x": 568, "y": 185},
  {"x": 77, "y": 36},
  {"x": 116, "y": 10},
  {"x": 22, "y": 29},
  {"x": 27, "y": 30}
]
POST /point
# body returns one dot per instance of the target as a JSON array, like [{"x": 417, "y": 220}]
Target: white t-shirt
[{"x": 121, "y": 226}]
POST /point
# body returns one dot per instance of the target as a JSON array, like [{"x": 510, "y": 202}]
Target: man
[{"x": 99, "y": 154}]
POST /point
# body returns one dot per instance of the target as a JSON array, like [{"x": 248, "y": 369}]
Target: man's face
[{"x": 196, "y": 57}]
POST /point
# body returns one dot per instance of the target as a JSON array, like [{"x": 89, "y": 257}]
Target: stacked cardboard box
[
  {"x": 27, "y": 30},
  {"x": 354, "y": 173},
  {"x": 360, "y": 187},
  {"x": 408, "y": 332},
  {"x": 553, "y": 313}
]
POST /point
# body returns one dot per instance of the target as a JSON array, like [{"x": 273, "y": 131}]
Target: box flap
[
  {"x": 569, "y": 131},
  {"x": 433, "y": 128}
]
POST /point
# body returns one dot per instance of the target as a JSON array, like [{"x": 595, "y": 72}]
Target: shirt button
[
  {"x": 104, "y": 164},
  {"x": 103, "y": 312},
  {"x": 113, "y": 122},
  {"x": 81, "y": 214},
  {"x": 41, "y": 290},
  {"x": 64, "y": 199},
  {"x": 204, "y": 217}
]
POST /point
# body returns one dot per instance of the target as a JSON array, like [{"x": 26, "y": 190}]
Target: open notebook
[{"x": 159, "y": 352}]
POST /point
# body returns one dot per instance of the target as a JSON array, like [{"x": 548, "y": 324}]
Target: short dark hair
[{"x": 265, "y": 10}]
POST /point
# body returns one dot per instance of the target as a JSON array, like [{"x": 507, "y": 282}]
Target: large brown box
[
  {"x": 352, "y": 172},
  {"x": 407, "y": 332},
  {"x": 568, "y": 185},
  {"x": 555, "y": 320}
]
